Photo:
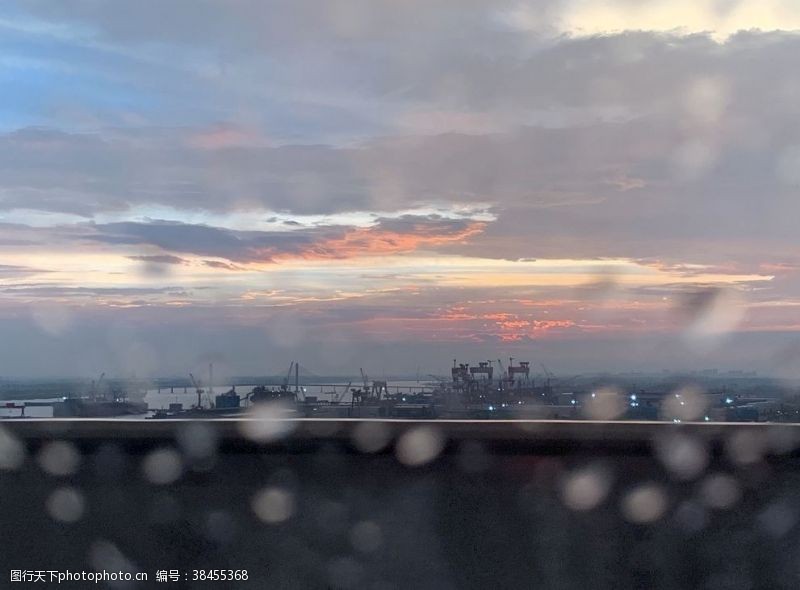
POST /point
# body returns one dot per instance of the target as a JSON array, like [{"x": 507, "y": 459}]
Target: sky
[{"x": 585, "y": 184}]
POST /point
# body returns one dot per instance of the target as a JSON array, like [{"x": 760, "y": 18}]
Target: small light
[{"x": 633, "y": 396}]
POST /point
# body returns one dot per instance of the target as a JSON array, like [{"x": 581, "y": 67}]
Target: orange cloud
[
  {"x": 381, "y": 240},
  {"x": 503, "y": 325}
]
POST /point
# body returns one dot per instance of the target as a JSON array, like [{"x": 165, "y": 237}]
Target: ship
[
  {"x": 114, "y": 401},
  {"x": 87, "y": 407}
]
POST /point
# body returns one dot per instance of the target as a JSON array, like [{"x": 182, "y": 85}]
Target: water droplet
[
  {"x": 720, "y": 491},
  {"x": 644, "y": 504},
  {"x": 746, "y": 446},
  {"x": 371, "y": 437},
  {"x": 604, "y": 404},
  {"x": 162, "y": 466},
  {"x": 585, "y": 488},
  {"x": 273, "y": 505},
  {"x": 686, "y": 404},
  {"x": 420, "y": 445},
  {"x": 12, "y": 451},
  {"x": 65, "y": 505},
  {"x": 782, "y": 439},
  {"x": 267, "y": 422},
  {"x": 59, "y": 458},
  {"x": 366, "y": 537},
  {"x": 104, "y": 555},
  {"x": 710, "y": 314},
  {"x": 684, "y": 456}
]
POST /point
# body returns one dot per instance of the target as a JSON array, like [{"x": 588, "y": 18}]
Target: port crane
[
  {"x": 293, "y": 366},
  {"x": 547, "y": 374},
  {"x": 376, "y": 390},
  {"x": 198, "y": 390},
  {"x": 95, "y": 385},
  {"x": 340, "y": 396},
  {"x": 285, "y": 385},
  {"x": 361, "y": 393},
  {"x": 502, "y": 370}
]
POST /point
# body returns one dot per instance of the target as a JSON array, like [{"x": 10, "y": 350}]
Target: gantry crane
[
  {"x": 95, "y": 385},
  {"x": 502, "y": 368},
  {"x": 340, "y": 396},
  {"x": 285, "y": 385},
  {"x": 547, "y": 374},
  {"x": 198, "y": 390}
]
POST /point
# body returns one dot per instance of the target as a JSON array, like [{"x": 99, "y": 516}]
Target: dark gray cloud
[
  {"x": 400, "y": 234},
  {"x": 690, "y": 121},
  {"x": 60, "y": 291},
  {"x": 202, "y": 240},
  {"x": 443, "y": 52},
  {"x": 11, "y": 271},
  {"x": 84, "y": 174},
  {"x": 159, "y": 259},
  {"x": 422, "y": 224}
]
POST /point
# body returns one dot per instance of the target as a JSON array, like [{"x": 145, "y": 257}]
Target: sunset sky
[{"x": 587, "y": 184}]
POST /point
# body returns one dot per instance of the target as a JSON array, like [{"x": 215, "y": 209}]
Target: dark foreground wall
[{"x": 404, "y": 505}]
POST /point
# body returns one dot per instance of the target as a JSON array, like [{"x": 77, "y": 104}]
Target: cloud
[
  {"x": 392, "y": 236},
  {"x": 159, "y": 259},
  {"x": 222, "y": 265},
  {"x": 10, "y": 271},
  {"x": 200, "y": 240},
  {"x": 675, "y": 179},
  {"x": 386, "y": 236},
  {"x": 580, "y": 119},
  {"x": 612, "y": 158},
  {"x": 589, "y": 17},
  {"x": 225, "y": 136},
  {"x": 62, "y": 291}
]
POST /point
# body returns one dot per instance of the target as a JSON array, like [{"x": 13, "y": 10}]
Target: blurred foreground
[{"x": 401, "y": 504}]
